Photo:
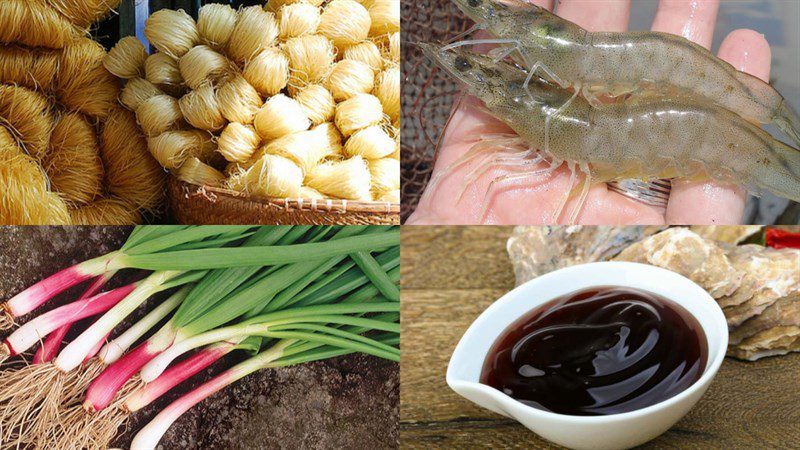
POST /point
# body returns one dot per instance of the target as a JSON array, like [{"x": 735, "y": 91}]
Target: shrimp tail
[{"x": 788, "y": 122}]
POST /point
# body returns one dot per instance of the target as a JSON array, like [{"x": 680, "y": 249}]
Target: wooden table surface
[{"x": 451, "y": 274}]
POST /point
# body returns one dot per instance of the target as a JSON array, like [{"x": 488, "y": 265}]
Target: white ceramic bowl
[{"x": 614, "y": 431}]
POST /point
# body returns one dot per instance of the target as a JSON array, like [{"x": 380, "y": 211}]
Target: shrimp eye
[
  {"x": 474, "y": 3},
  {"x": 462, "y": 64}
]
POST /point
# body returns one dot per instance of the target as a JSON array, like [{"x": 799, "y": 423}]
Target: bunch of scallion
[{"x": 286, "y": 295}]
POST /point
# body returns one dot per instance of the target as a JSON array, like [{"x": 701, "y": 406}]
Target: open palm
[{"x": 533, "y": 200}]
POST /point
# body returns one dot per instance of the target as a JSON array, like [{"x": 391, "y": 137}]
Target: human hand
[{"x": 533, "y": 201}]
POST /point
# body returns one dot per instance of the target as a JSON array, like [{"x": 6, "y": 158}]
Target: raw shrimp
[
  {"x": 613, "y": 64},
  {"x": 647, "y": 138}
]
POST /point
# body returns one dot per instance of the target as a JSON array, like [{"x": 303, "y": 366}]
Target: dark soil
[{"x": 346, "y": 402}]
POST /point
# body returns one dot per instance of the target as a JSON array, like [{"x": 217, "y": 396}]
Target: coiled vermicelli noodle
[
  {"x": 73, "y": 162},
  {"x": 172, "y": 32},
  {"x": 385, "y": 17},
  {"x": 290, "y": 99},
  {"x": 385, "y": 176},
  {"x": 215, "y": 24},
  {"x": 74, "y": 149},
  {"x": 127, "y": 58}
]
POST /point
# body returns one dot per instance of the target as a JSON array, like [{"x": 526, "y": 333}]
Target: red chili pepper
[{"x": 777, "y": 238}]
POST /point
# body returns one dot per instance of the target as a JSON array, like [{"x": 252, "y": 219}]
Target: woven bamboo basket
[{"x": 194, "y": 205}]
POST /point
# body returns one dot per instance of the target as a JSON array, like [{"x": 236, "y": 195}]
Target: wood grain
[{"x": 451, "y": 274}]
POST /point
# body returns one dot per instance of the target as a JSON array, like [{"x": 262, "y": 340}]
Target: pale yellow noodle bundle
[
  {"x": 201, "y": 65},
  {"x": 385, "y": 176},
  {"x": 310, "y": 58},
  {"x": 158, "y": 114},
  {"x": 201, "y": 110},
  {"x": 131, "y": 172},
  {"x": 215, "y": 24},
  {"x": 255, "y": 30},
  {"x": 345, "y": 22},
  {"x": 162, "y": 69},
  {"x": 238, "y": 100},
  {"x": 396, "y": 153},
  {"x": 371, "y": 143},
  {"x": 394, "y": 47},
  {"x": 83, "y": 84},
  {"x": 172, "y": 32},
  {"x": 366, "y": 52},
  {"x": 276, "y": 5},
  {"x": 27, "y": 115},
  {"x": 317, "y": 103},
  {"x": 271, "y": 176},
  {"x": 197, "y": 172},
  {"x": 332, "y": 136},
  {"x": 348, "y": 179},
  {"x": 268, "y": 72},
  {"x": 280, "y": 116},
  {"x": 33, "y": 24},
  {"x": 84, "y": 13},
  {"x": 387, "y": 89},
  {"x": 106, "y": 211},
  {"x": 349, "y": 77},
  {"x": 238, "y": 142},
  {"x": 304, "y": 148},
  {"x": 138, "y": 91},
  {"x": 127, "y": 58},
  {"x": 390, "y": 196},
  {"x": 172, "y": 148},
  {"x": 358, "y": 112},
  {"x": 298, "y": 19},
  {"x": 30, "y": 68},
  {"x": 310, "y": 194},
  {"x": 73, "y": 162},
  {"x": 25, "y": 199},
  {"x": 385, "y": 15}
]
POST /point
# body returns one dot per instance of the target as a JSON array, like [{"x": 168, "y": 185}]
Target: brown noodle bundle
[
  {"x": 34, "y": 25},
  {"x": 30, "y": 68},
  {"x": 106, "y": 211},
  {"x": 131, "y": 173},
  {"x": 84, "y": 12},
  {"x": 73, "y": 163},
  {"x": 25, "y": 198},
  {"x": 27, "y": 115},
  {"x": 83, "y": 84}
]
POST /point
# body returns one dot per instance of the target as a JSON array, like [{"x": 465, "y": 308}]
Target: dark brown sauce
[{"x": 604, "y": 350}]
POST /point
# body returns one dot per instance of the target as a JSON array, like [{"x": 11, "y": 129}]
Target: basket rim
[{"x": 289, "y": 204}]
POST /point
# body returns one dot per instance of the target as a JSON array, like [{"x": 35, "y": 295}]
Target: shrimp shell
[
  {"x": 614, "y": 63},
  {"x": 645, "y": 138}
]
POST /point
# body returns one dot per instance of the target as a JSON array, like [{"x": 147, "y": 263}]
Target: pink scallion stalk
[
  {"x": 33, "y": 297},
  {"x": 177, "y": 374},
  {"x": 148, "y": 437},
  {"x": 29, "y": 334},
  {"x": 49, "y": 348},
  {"x": 104, "y": 387},
  {"x": 76, "y": 351}
]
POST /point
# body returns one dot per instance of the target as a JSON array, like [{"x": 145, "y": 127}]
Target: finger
[
  {"x": 693, "y": 19},
  {"x": 596, "y": 15},
  {"x": 695, "y": 202}
]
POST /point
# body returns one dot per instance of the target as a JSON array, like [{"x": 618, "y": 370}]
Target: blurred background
[{"x": 427, "y": 98}]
